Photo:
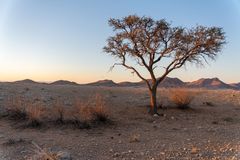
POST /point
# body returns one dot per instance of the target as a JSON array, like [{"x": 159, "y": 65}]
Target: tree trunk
[{"x": 153, "y": 100}]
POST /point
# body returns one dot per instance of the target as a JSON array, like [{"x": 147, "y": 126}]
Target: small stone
[
  {"x": 116, "y": 154},
  {"x": 154, "y": 126},
  {"x": 111, "y": 150},
  {"x": 142, "y": 153},
  {"x": 199, "y": 155},
  {"x": 155, "y": 115},
  {"x": 172, "y": 118},
  {"x": 130, "y": 151}
]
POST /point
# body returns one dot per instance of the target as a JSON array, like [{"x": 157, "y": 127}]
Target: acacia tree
[{"x": 148, "y": 42}]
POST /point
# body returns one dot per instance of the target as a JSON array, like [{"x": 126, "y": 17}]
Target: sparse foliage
[
  {"x": 182, "y": 98},
  {"x": 34, "y": 114},
  {"x": 16, "y": 108},
  {"x": 149, "y": 42},
  {"x": 59, "y": 110}
]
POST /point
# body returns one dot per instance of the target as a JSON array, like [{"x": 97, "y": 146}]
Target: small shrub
[
  {"x": 15, "y": 108},
  {"x": 93, "y": 111},
  {"x": 82, "y": 111},
  {"x": 34, "y": 114},
  {"x": 181, "y": 98},
  {"x": 60, "y": 111},
  {"x": 99, "y": 111}
]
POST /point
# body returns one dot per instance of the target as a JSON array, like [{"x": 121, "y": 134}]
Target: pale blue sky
[{"x": 46, "y": 40}]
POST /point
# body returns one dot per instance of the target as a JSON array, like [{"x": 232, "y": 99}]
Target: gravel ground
[{"x": 202, "y": 132}]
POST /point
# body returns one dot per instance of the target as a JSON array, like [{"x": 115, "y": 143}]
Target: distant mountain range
[
  {"x": 209, "y": 83},
  {"x": 63, "y": 82}
]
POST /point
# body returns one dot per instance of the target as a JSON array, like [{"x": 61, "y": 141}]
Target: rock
[
  {"x": 130, "y": 151},
  {"x": 111, "y": 150},
  {"x": 155, "y": 115},
  {"x": 116, "y": 154},
  {"x": 162, "y": 115},
  {"x": 142, "y": 153}
]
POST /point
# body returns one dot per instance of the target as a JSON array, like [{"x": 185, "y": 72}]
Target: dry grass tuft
[
  {"x": 93, "y": 110},
  {"x": 34, "y": 114},
  {"x": 43, "y": 154},
  {"x": 15, "y": 108},
  {"x": 19, "y": 109},
  {"x": 99, "y": 111},
  {"x": 182, "y": 98},
  {"x": 60, "y": 111}
]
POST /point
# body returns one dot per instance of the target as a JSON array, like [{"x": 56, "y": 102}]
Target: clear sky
[{"x": 47, "y": 40}]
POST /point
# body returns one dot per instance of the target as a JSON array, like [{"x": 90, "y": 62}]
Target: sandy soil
[{"x": 202, "y": 132}]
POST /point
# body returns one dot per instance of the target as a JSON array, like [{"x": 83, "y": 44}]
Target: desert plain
[{"x": 209, "y": 129}]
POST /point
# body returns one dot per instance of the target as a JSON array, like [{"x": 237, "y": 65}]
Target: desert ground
[{"x": 210, "y": 129}]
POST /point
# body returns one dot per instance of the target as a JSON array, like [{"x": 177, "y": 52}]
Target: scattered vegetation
[
  {"x": 83, "y": 114},
  {"x": 182, "y": 98}
]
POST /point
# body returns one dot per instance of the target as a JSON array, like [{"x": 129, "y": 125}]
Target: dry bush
[
  {"x": 91, "y": 111},
  {"x": 100, "y": 111},
  {"x": 16, "y": 108},
  {"x": 182, "y": 98},
  {"x": 34, "y": 115},
  {"x": 59, "y": 110},
  {"x": 83, "y": 111}
]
